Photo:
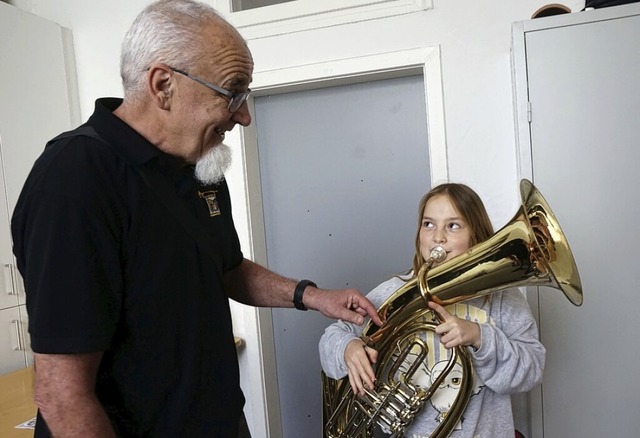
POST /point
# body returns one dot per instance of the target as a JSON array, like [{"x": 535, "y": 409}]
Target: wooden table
[{"x": 16, "y": 403}]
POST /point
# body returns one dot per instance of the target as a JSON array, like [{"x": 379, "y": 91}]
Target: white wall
[
  {"x": 474, "y": 38},
  {"x": 475, "y": 41}
]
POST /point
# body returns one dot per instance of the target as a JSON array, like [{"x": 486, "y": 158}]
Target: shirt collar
[{"x": 129, "y": 143}]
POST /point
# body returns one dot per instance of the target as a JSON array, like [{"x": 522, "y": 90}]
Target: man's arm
[
  {"x": 65, "y": 395},
  {"x": 252, "y": 284}
]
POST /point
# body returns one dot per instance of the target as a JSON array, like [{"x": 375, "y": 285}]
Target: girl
[{"x": 498, "y": 329}]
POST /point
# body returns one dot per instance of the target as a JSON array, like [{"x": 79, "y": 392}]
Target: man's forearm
[
  {"x": 80, "y": 417},
  {"x": 252, "y": 284},
  {"x": 65, "y": 395}
]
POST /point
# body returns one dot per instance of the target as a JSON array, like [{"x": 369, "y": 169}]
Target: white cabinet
[
  {"x": 38, "y": 100},
  {"x": 13, "y": 351},
  {"x": 12, "y": 343},
  {"x": 577, "y": 84}
]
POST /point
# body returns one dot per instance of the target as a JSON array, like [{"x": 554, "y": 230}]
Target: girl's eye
[
  {"x": 427, "y": 224},
  {"x": 454, "y": 226}
]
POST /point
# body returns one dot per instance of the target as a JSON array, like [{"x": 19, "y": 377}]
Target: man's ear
[{"x": 160, "y": 83}]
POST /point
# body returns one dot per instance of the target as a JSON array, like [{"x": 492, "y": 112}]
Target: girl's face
[{"x": 442, "y": 225}]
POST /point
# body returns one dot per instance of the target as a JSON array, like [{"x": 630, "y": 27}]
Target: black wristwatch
[{"x": 297, "y": 294}]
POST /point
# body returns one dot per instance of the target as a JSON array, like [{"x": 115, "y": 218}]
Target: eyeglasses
[{"x": 235, "y": 99}]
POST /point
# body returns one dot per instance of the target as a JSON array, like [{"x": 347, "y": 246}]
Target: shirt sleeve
[
  {"x": 511, "y": 358},
  {"x": 66, "y": 228}
]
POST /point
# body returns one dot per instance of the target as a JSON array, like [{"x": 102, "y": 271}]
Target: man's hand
[{"x": 345, "y": 304}]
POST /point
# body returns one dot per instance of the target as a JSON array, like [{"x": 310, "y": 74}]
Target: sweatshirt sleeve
[
  {"x": 334, "y": 341},
  {"x": 511, "y": 358}
]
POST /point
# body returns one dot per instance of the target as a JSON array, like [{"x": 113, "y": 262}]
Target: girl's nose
[{"x": 439, "y": 237}]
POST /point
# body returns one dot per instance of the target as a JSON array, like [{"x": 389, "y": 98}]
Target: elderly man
[{"x": 123, "y": 234}]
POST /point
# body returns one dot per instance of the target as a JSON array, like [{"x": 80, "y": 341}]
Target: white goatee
[{"x": 211, "y": 167}]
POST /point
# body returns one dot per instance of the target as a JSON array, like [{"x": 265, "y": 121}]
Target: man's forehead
[{"x": 225, "y": 54}]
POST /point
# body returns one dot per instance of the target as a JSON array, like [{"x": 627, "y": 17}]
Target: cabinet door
[
  {"x": 584, "y": 102},
  {"x": 12, "y": 345},
  {"x": 38, "y": 96},
  {"x": 38, "y": 100},
  {"x": 8, "y": 287}
]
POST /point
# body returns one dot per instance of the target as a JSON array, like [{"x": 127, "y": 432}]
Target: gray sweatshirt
[{"x": 510, "y": 360}]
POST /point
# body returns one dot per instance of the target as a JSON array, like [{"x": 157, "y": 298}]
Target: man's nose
[{"x": 242, "y": 116}]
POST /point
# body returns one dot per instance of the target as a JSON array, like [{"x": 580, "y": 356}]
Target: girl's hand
[
  {"x": 455, "y": 331},
  {"x": 359, "y": 358}
]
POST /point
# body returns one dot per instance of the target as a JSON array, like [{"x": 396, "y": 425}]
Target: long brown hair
[{"x": 470, "y": 207}]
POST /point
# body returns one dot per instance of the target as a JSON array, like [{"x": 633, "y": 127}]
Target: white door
[{"x": 584, "y": 93}]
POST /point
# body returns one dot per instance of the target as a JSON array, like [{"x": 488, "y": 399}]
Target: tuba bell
[{"x": 531, "y": 250}]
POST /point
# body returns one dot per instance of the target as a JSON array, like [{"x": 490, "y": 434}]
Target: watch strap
[{"x": 299, "y": 291}]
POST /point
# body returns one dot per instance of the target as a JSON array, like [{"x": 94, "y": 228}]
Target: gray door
[
  {"x": 342, "y": 172},
  {"x": 584, "y": 88}
]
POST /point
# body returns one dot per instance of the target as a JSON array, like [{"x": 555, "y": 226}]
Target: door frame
[
  {"x": 303, "y": 15},
  {"x": 260, "y": 346}
]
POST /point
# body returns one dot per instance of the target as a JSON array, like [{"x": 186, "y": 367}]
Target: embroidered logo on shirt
[{"x": 212, "y": 202}]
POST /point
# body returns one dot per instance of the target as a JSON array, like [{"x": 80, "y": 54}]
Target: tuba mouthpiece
[{"x": 438, "y": 254}]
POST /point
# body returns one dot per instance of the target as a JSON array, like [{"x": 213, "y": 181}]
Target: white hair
[
  {"x": 165, "y": 31},
  {"x": 211, "y": 167}
]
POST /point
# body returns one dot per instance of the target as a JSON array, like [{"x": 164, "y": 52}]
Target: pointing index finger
[
  {"x": 441, "y": 311},
  {"x": 371, "y": 311}
]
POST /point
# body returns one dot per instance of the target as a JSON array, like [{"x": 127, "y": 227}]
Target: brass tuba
[{"x": 531, "y": 250}]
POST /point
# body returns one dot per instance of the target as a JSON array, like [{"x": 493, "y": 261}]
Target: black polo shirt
[{"x": 108, "y": 266}]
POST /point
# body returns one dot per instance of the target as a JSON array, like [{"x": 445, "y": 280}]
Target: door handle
[
  {"x": 20, "y": 344},
  {"x": 9, "y": 279}
]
